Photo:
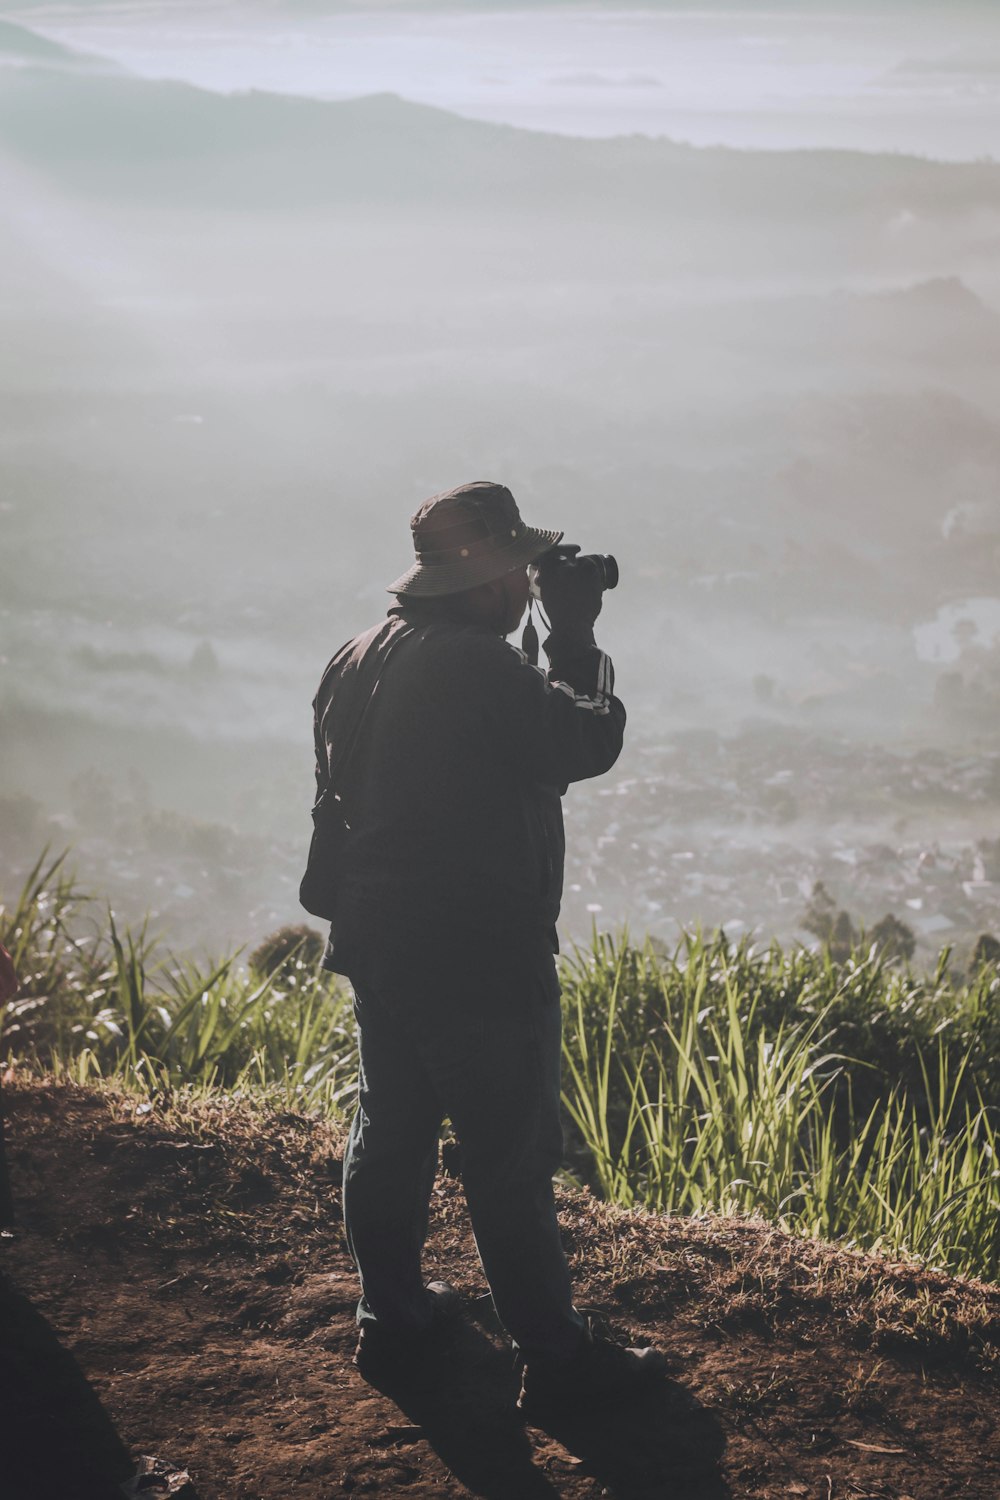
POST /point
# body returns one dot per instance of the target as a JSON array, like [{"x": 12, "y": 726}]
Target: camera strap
[{"x": 529, "y": 638}]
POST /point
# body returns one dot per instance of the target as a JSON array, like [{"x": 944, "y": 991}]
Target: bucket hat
[{"x": 467, "y": 536}]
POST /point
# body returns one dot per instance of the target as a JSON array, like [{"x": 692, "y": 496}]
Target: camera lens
[{"x": 609, "y": 566}]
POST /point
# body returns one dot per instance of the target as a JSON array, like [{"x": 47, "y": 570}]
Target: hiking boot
[
  {"x": 384, "y": 1350},
  {"x": 600, "y": 1371}
]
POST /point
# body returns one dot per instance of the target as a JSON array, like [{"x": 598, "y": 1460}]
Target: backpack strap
[{"x": 328, "y": 777}]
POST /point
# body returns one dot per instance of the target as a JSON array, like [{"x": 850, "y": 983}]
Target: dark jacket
[{"x": 454, "y": 778}]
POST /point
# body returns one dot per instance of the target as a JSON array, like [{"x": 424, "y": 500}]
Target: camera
[{"x": 600, "y": 566}]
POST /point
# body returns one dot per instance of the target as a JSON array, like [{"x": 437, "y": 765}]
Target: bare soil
[{"x": 177, "y": 1285}]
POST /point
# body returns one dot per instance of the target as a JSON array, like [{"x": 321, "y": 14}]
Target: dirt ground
[{"x": 177, "y": 1285}]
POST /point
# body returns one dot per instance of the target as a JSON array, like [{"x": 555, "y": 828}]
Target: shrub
[{"x": 289, "y": 953}]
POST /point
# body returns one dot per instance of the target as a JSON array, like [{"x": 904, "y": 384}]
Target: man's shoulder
[
  {"x": 348, "y": 660},
  {"x": 359, "y": 645}
]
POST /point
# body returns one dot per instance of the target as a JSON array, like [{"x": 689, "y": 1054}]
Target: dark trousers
[{"x": 475, "y": 1039}]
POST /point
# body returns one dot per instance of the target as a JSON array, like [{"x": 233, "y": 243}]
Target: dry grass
[
  {"x": 744, "y": 1272},
  {"x": 729, "y": 1273}
]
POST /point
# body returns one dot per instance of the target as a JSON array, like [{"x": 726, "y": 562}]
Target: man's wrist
[
  {"x": 578, "y": 661},
  {"x": 569, "y": 640}
]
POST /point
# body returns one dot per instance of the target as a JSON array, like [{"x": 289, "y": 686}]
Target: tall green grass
[
  {"x": 686, "y": 1095},
  {"x": 97, "y": 1003},
  {"x": 857, "y": 1102}
]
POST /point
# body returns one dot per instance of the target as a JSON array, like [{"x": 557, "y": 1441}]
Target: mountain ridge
[
  {"x": 31, "y": 48},
  {"x": 106, "y": 129}
]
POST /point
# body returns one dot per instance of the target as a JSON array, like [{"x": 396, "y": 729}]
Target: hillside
[
  {"x": 168, "y": 140},
  {"x": 21, "y": 46},
  {"x": 178, "y": 1287},
  {"x": 243, "y": 336}
]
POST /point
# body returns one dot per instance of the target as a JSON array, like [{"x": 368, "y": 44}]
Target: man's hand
[{"x": 571, "y": 596}]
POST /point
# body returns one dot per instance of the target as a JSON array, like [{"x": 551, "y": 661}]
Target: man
[{"x": 450, "y": 752}]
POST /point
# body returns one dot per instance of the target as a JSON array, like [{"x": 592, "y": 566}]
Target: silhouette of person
[{"x": 450, "y": 752}]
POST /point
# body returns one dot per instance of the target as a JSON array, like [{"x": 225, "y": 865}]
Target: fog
[
  {"x": 243, "y": 333},
  {"x": 895, "y": 75}
]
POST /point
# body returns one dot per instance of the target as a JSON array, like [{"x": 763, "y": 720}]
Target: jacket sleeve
[{"x": 557, "y": 726}]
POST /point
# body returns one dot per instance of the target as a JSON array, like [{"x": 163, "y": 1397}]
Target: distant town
[{"x": 701, "y": 829}]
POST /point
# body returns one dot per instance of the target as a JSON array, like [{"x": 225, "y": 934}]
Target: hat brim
[{"x": 425, "y": 580}]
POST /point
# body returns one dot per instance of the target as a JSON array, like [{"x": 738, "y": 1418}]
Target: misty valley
[{"x": 243, "y": 336}]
